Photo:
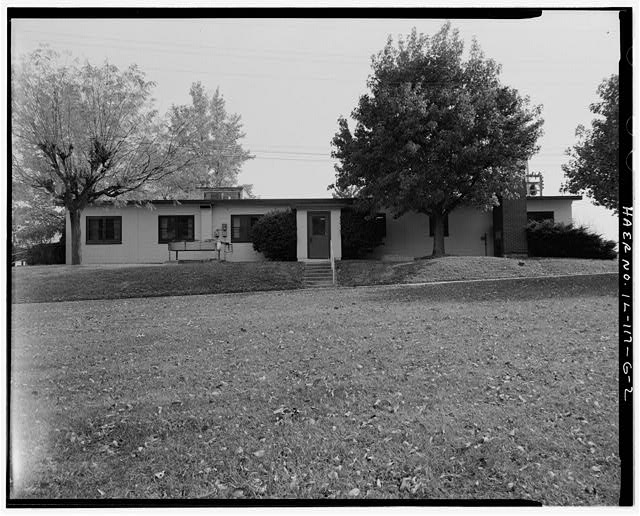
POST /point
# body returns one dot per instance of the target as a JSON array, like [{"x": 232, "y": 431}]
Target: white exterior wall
[
  {"x": 336, "y": 239},
  {"x": 140, "y": 233},
  {"x": 561, "y": 208},
  {"x": 408, "y": 235},
  {"x": 301, "y": 227},
  {"x": 334, "y": 225},
  {"x": 242, "y": 252}
]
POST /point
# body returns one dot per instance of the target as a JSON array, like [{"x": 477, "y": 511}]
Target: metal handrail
[{"x": 333, "y": 262}]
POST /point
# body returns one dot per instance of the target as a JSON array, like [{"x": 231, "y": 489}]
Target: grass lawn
[
  {"x": 369, "y": 272},
  {"x": 493, "y": 390},
  {"x": 69, "y": 283}
]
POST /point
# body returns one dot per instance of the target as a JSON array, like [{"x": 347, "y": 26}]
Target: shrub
[
  {"x": 547, "y": 238},
  {"x": 46, "y": 254},
  {"x": 275, "y": 236},
  {"x": 361, "y": 233}
]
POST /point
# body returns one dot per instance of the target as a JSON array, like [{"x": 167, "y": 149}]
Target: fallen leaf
[
  {"x": 405, "y": 485},
  {"x": 354, "y": 492},
  {"x": 259, "y": 453}
]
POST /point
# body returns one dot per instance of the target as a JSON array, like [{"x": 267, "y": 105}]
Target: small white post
[{"x": 333, "y": 262}]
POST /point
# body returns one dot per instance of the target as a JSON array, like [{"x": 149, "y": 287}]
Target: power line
[{"x": 229, "y": 51}]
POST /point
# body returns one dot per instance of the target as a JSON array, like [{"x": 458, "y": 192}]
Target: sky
[{"x": 290, "y": 79}]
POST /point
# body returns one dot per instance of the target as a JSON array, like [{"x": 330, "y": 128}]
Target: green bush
[
  {"x": 547, "y": 238},
  {"x": 275, "y": 236},
  {"x": 361, "y": 233},
  {"x": 46, "y": 254}
]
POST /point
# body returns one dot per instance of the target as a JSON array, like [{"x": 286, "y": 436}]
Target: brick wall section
[{"x": 514, "y": 221}]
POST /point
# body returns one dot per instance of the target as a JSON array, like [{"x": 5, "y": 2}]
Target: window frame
[
  {"x": 446, "y": 225},
  {"x": 103, "y": 241},
  {"x": 245, "y": 237},
  {"x": 167, "y": 241}
]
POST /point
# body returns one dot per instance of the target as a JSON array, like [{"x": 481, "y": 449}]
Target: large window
[
  {"x": 175, "y": 228},
  {"x": 446, "y": 226},
  {"x": 241, "y": 226},
  {"x": 539, "y": 216},
  {"x": 104, "y": 230}
]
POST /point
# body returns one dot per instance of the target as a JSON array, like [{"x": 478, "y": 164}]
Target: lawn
[
  {"x": 68, "y": 283},
  {"x": 369, "y": 272},
  {"x": 504, "y": 390}
]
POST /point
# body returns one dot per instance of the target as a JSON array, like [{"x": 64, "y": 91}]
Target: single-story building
[{"x": 159, "y": 231}]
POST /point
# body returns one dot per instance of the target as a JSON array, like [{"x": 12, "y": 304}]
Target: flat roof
[
  {"x": 257, "y": 202},
  {"x": 555, "y": 197}
]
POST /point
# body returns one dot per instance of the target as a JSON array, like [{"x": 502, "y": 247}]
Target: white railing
[{"x": 333, "y": 262}]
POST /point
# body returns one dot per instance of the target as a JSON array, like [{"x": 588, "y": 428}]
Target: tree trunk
[
  {"x": 438, "y": 235},
  {"x": 76, "y": 235}
]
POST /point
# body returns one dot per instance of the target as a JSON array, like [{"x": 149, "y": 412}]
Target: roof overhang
[
  {"x": 554, "y": 197},
  {"x": 292, "y": 203}
]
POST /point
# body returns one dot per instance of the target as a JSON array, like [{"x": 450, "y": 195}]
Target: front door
[{"x": 318, "y": 228}]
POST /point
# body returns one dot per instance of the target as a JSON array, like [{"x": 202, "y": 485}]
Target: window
[
  {"x": 381, "y": 224},
  {"x": 175, "y": 228},
  {"x": 223, "y": 195},
  {"x": 539, "y": 216},
  {"x": 104, "y": 230},
  {"x": 446, "y": 225},
  {"x": 241, "y": 226},
  {"x": 319, "y": 225}
]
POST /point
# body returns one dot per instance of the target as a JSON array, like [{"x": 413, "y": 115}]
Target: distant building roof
[
  {"x": 555, "y": 197},
  {"x": 255, "y": 202}
]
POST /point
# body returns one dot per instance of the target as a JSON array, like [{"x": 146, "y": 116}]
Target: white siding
[
  {"x": 408, "y": 235},
  {"x": 242, "y": 252},
  {"x": 561, "y": 208},
  {"x": 139, "y": 235},
  {"x": 336, "y": 239},
  {"x": 301, "y": 227}
]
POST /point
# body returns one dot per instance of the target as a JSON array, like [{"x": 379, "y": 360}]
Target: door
[{"x": 319, "y": 233}]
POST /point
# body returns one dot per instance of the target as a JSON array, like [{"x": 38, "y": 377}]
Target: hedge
[{"x": 555, "y": 239}]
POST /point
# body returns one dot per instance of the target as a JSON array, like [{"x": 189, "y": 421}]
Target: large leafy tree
[
  {"x": 82, "y": 132},
  {"x": 593, "y": 165},
  {"x": 212, "y": 138},
  {"x": 436, "y": 131}
]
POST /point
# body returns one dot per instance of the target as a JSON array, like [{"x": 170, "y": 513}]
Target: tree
[
  {"x": 435, "y": 131},
  {"x": 84, "y": 132},
  {"x": 34, "y": 218},
  {"x": 360, "y": 233},
  {"x": 212, "y": 137},
  {"x": 593, "y": 165}
]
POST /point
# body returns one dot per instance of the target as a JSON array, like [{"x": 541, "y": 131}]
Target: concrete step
[{"x": 318, "y": 274}]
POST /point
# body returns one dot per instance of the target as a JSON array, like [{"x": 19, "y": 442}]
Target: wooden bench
[{"x": 198, "y": 245}]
